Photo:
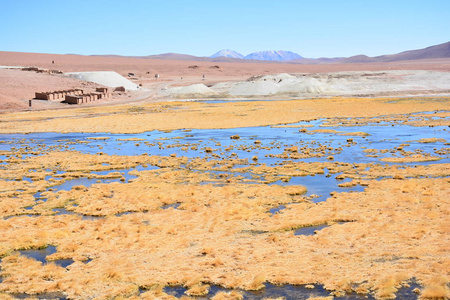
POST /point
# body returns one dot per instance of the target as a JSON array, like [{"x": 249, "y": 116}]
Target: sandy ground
[
  {"x": 290, "y": 86},
  {"x": 17, "y": 87}
]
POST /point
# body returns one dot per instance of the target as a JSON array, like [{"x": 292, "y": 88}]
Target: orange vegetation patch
[
  {"x": 178, "y": 115},
  {"x": 222, "y": 233},
  {"x": 359, "y": 133},
  {"x": 437, "y": 118},
  {"x": 323, "y": 131},
  {"x": 431, "y": 140},
  {"x": 413, "y": 158}
]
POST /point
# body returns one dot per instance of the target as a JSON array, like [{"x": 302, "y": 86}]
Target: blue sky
[{"x": 321, "y": 28}]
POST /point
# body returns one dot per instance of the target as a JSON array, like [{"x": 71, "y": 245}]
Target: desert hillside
[{"x": 18, "y": 87}]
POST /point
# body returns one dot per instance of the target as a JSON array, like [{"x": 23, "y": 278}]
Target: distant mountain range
[
  {"x": 437, "y": 51},
  {"x": 262, "y": 55}
]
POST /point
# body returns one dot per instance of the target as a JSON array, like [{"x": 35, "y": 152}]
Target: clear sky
[{"x": 314, "y": 28}]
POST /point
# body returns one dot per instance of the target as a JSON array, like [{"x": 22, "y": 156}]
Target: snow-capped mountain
[
  {"x": 227, "y": 53},
  {"x": 262, "y": 55},
  {"x": 273, "y": 55}
]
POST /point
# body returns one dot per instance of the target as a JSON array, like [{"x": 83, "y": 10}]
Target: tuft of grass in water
[
  {"x": 436, "y": 289},
  {"x": 389, "y": 285},
  {"x": 233, "y": 295},
  {"x": 198, "y": 290},
  {"x": 256, "y": 283}
]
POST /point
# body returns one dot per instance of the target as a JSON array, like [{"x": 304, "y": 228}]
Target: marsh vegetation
[{"x": 346, "y": 204}]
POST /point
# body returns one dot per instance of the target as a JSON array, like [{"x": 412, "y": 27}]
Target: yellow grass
[
  {"x": 437, "y": 288},
  {"x": 228, "y": 296},
  {"x": 178, "y": 115},
  {"x": 221, "y": 234}
]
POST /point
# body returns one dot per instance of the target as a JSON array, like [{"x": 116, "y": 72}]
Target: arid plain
[{"x": 288, "y": 196}]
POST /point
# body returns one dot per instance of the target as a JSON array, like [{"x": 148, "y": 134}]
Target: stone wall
[
  {"x": 57, "y": 95},
  {"x": 86, "y": 98}
]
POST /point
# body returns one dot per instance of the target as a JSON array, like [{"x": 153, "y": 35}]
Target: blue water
[
  {"x": 41, "y": 255},
  {"x": 272, "y": 141},
  {"x": 270, "y": 291},
  {"x": 382, "y": 136}
]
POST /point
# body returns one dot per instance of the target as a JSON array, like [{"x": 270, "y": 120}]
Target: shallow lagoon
[
  {"x": 267, "y": 143},
  {"x": 273, "y": 140}
]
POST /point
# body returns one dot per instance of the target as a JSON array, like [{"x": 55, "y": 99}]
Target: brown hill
[
  {"x": 174, "y": 56},
  {"x": 437, "y": 51},
  {"x": 359, "y": 59},
  {"x": 187, "y": 57}
]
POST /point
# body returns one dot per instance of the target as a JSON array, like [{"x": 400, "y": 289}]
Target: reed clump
[
  {"x": 121, "y": 237},
  {"x": 233, "y": 295},
  {"x": 436, "y": 288},
  {"x": 198, "y": 290}
]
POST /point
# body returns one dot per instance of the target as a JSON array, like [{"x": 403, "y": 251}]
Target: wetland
[{"x": 342, "y": 198}]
